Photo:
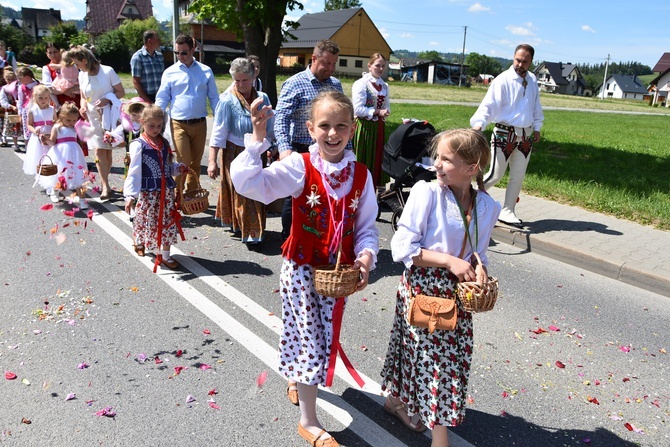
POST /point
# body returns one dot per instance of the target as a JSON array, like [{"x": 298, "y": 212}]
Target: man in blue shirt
[
  {"x": 292, "y": 111},
  {"x": 146, "y": 67},
  {"x": 185, "y": 86}
]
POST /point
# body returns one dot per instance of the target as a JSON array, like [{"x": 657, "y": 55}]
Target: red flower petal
[
  {"x": 47, "y": 207},
  {"x": 206, "y": 332},
  {"x": 90, "y": 214},
  {"x": 628, "y": 426},
  {"x": 593, "y": 400},
  {"x": 68, "y": 213},
  {"x": 158, "y": 360},
  {"x": 179, "y": 353},
  {"x": 10, "y": 375},
  {"x": 560, "y": 364},
  {"x": 212, "y": 392}
]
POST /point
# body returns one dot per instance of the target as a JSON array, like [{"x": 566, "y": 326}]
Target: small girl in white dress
[
  {"x": 68, "y": 155},
  {"x": 40, "y": 121}
]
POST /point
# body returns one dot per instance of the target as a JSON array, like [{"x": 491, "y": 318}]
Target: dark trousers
[{"x": 287, "y": 211}]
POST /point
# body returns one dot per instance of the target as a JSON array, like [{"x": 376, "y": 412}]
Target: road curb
[{"x": 532, "y": 243}]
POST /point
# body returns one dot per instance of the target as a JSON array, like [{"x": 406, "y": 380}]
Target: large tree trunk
[{"x": 264, "y": 40}]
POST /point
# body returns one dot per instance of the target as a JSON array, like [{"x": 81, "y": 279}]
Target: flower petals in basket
[
  {"x": 478, "y": 296},
  {"x": 46, "y": 169},
  {"x": 337, "y": 280}
]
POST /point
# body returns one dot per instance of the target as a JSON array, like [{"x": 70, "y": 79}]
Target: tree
[
  {"x": 133, "y": 32},
  {"x": 258, "y": 23},
  {"x": 112, "y": 50},
  {"x": 482, "y": 64},
  {"x": 431, "y": 55},
  {"x": 65, "y": 34},
  {"x": 332, "y": 5}
]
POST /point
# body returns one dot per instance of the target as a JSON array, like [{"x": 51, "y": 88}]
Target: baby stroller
[{"x": 406, "y": 147}]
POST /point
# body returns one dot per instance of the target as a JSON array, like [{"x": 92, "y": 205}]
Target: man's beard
[{"x": 520, "y": 71}]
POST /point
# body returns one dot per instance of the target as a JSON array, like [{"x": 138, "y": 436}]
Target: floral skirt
[
  {"x": 429, "y": 372},
  {"x": 307, "y": 317},
  {"x": 145, "y": 224}
]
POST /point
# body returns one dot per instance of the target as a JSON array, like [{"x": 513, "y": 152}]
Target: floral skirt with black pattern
[{"x": 429, "y": 372}]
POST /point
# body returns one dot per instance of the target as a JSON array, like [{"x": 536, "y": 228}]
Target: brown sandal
[
  {"x": 400, "y": 411},
  {"x": 316, "y": 440},
  {"x": 170, "y": 263},
  {"x": 292, "y": 393},
  {"x": 139, "y": 249}
]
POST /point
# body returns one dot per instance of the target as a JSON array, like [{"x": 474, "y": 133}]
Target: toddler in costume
[
  {"x": 442, "y": 224},
  {"x": 40, "y": 122},
  {"x": 129, "y": 128},
  {"x": 9, "y": 93},
  {"x": 27, "y": 83},
  {"x": 149, "y": 190},
  {"x": 333, "y": 204},
  {"x": 68, "y": 75},
  {"x": 67, "y": 154}
]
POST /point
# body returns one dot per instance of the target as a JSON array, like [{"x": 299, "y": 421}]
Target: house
[
  {"x": 36, "y": 22},
  {"x": 436, "y": 72},
  {"x": 622, "y": 87},
  {"x": 351, "y": 29},
  {"x": 483, "y": 78},
  {"x": 659, "y": 87},
  {"x": 106, "y": 15},
  {"x": 215, "y": 47},
  {"x": 663, "y": 64},
  {"x": 557, "y": 77}
]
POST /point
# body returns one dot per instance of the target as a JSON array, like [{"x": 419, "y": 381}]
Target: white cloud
[
  {"x": 521, "y": 30},
  {"x": 478, "y": 7},
  {"x": 384, "y": 33},
  {"x": 434, "y": 44},
  {"x": 588, "y": 28},
  {"x": 407, "y": 36}
]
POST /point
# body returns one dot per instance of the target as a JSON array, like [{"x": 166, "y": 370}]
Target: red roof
[
  {"x": 106, "y": 15},
  {"x": 662, "y": 64}
]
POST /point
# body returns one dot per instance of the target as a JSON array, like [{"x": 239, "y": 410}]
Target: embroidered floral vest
[
  {"x": 312, "y": 229},
  {"x": 151, "y": 167}
]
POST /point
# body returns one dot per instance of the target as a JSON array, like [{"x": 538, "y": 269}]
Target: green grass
[{"x": 616, "y": 164}]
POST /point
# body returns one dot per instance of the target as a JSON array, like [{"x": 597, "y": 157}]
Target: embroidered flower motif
[
  {"x": 354, "y": 202},
  {"x": 313, "y": 197}
]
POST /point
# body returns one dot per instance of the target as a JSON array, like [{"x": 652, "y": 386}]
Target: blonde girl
[
  {"x": 40, "y": 122},
  {"x": 333, "y": 202},
  {"x": 149, "y": 190},
  {"x": 441, "y": 226},
  {"x": 68, "y": 155},
  {"x": 8, "y": 95}
]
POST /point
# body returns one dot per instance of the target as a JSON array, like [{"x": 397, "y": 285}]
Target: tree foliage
[
  {"x": 65, "y": 34},
  {"x": 482, "y": 64},
  {"x": 256, "y": 22},
  {"x": 430, "y": 55},
  {"x": 112, "y": 50},
  {"x": 332, "y": 5},
  {"x": 133, "y": 32}
]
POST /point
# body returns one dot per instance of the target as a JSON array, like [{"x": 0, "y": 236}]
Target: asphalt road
[{"x": 107, "y": 353}]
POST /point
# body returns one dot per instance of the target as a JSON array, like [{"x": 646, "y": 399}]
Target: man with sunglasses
[{"x": 185, "y": 87}]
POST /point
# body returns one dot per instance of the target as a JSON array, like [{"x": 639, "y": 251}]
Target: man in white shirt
[
  {"x": 513, "y": 104},
  {"x": 185, "y": 87}
]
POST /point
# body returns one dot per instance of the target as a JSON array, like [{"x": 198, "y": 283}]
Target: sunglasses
[{"x": 181, "y": 53}]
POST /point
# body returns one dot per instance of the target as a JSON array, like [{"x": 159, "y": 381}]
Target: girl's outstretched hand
[
  {"x": 260, "y": 115},
  {"x": 363, "y": 264}
]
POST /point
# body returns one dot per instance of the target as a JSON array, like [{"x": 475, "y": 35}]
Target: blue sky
[{"x": 584, "y": 31}]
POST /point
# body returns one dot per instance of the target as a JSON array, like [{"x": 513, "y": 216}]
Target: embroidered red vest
[{"x": 312, "y": 229}]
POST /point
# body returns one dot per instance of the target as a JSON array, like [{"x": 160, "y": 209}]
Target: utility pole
[
  {"x": 175, "y": 21},
  {"x": 460, "y": 77},
  {"x": 602, "y": 96}
]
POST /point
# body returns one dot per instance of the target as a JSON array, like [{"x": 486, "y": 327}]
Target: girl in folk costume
[
  {"x": 40, "y": 122},
  {"x": 9, "y": 93},
  {"x": 27, "y": 83},
  {"x": 441, "y": 226},
  {"x": 67, "y": 154},
  {"x": 333, "y": 203},
  {"x": 370, "y": 96},
  {"x": 149, "y": 190}
]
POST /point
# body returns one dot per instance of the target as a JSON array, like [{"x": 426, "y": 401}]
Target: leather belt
[
  {"x": 193, "y": 121},
  {"x": 504, "y": 127}
]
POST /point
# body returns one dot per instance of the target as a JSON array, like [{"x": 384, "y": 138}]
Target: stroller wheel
[{"x": 395, "y": 217}]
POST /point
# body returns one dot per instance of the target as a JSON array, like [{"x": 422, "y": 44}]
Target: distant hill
[
  {"x": 10, "y": 13},
  {"x": 447, "y": 57}
]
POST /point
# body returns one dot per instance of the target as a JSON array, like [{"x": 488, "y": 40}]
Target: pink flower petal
[
  {"x": 260, "y": 380},
  {"x": 71, "y": 396},
  {"x": 10, "y": 375},
  {"x": 213, "y": 405},
  {"x": 554, "y": 328},
  {"x": 205, "y": 366},
  {"x": 83, "y": 365},
  {"x": 190, "y": 399}
]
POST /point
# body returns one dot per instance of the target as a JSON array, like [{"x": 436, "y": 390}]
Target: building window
[
  {"x": 343, "y": 62},
  {"x": 359, "y": 64}
]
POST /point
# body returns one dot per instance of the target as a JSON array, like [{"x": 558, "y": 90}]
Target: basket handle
[
  {"x": 42, "y": 158},
  {"x": 481, "y": 266},
  {"x": 339, "y": 256}
]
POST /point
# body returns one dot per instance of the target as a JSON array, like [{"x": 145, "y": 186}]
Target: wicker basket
[
  {"x": 193, "y": 202},
  {"x": 478, "y": 297},
  {"x": 337, "y": 280},
  {"x": 46, "y": 169}
]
